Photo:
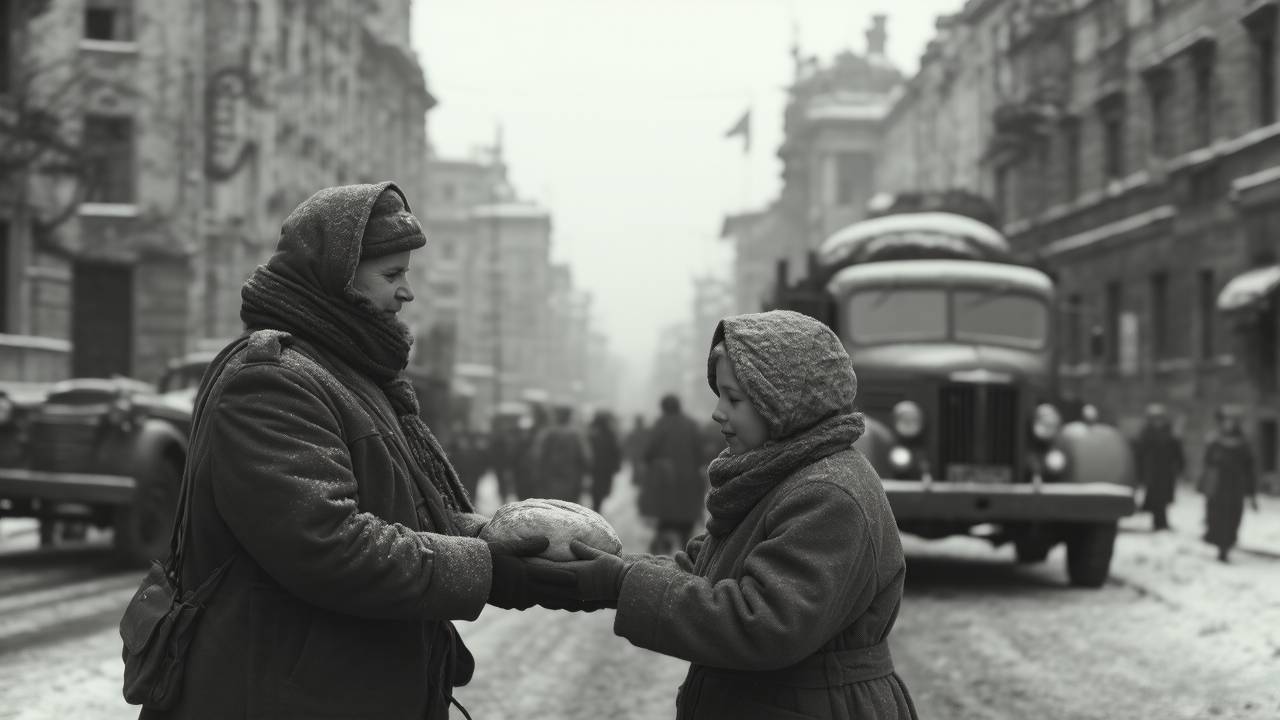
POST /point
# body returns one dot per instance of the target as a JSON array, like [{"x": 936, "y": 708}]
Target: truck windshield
[
  {"x": 912, "y": 314},
  {"x": 889, "y": 314},
  {"x": 990, "y": 316}
]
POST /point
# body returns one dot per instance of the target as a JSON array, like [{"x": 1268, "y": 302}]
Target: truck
[{"x": 952, "y": 339}]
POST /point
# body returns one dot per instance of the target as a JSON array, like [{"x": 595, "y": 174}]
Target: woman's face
[
  {"x": 384, "y": 281},
  {"x": 741, "y": 425}
]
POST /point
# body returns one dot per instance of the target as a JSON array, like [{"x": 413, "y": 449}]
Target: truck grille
[{"x": 978, "y": 424}]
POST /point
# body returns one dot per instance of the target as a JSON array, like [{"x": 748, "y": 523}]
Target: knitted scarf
[
  {"x": 738, "y": 482},
  {"x": 372, "y": 344}
]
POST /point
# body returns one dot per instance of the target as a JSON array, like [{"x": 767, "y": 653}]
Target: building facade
[
  {"x": 1131, "y": 148},
  {"x": 179, "y": 135}
]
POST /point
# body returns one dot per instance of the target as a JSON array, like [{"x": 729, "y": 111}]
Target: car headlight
[
  {"x": 1047, "y": 421},
  {"x": 1055, "y": 461},
  {"x": 900, "y": 458},
  {"x": 908, "y": 419},
  {"x": 6, "y": 410}
]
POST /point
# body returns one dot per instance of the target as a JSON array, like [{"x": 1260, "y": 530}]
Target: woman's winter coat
[
  {"x": 785, "y": 612},
  {"x": 346, "y": 564},
  {"x": 1229, "y": 478}
]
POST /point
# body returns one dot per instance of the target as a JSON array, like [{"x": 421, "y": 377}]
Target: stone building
[
  {"x": 833, "y": 127},
  {"x": 190, "y": 128},
  {"x": 102, "y": 225},
  {"x": 1132, "y": 149}
]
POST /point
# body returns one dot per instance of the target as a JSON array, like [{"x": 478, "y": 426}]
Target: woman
[
  {"x": 784, "y": 606},
  {"x": 1228, "y": 479},
  {"x": 346, "y": 538}
]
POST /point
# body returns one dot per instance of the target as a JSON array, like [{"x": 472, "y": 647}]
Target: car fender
[
  {"x": 1096, "y": 453},
  {"x": 154, "y": 440}
]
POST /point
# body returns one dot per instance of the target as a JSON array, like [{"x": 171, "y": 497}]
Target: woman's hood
[
  {"x": 792, "y": 367},
  {"x": 320, "y": 240}
]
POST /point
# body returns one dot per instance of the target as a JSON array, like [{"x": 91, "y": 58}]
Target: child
[
  {"x": 784, "y": 606},
  {"x": 1228, "y": 479}
]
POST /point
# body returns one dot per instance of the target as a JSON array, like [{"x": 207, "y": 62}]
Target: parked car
[{"x": 107, "y": 452}]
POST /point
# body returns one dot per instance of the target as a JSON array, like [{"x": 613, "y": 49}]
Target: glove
[
  {"x": 598, "y": 575},
  {"x": 518, "y": 584}
]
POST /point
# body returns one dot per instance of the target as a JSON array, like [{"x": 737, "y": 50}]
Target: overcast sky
[{"x": 614, "y": 113}]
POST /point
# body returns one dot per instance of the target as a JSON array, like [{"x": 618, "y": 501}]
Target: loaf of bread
[{"x": 560, "y": 521}]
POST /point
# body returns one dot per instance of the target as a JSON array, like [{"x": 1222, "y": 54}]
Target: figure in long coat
[
  {"x": 344, "y": 538},
  {"x": 1160, "y": 461},
  {"x": 1229, "y": 478},
  {"x": 674, "y": 485}
]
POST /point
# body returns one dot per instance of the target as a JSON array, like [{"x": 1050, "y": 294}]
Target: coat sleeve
[
  {"x": 283, "y": 482},
  {"x": 794, "y": 594}
]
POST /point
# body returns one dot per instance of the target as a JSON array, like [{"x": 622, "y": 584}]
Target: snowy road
[{"x": 1173, "y": 635}]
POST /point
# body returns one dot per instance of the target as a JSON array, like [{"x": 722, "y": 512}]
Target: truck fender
[
  {"x": 875, "y": 443},
  {"x": 1096, "y": 453}
]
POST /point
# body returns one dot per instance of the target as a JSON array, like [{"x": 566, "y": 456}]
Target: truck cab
[{"x": 953, "y": 343}]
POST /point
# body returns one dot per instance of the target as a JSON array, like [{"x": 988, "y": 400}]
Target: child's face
[{"x": 741, "y": 425}]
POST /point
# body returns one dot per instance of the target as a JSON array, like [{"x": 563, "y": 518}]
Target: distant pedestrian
[
  {"x": 634, "y": 445},
  {"x": 606, "y": 457},
  {"x": 784, "y": 607},
  {"x": 525, "y": 477},
  {"x": 1160, "y": 462},
  {"x": 1229, "y": 478},
  {"x": 561, "y": 459},
  {"x": 674, "y": 486}
]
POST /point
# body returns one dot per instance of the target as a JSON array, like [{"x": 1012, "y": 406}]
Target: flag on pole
[{"x": 743, "y": 128}]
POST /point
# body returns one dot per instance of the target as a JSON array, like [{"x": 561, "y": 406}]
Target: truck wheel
[
  {"x": 1089, "y": 548},
  {"x": 142, "y": 528}
]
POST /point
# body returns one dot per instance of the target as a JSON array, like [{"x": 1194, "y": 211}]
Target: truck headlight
[
  {"x": 1055, "y": 461},
  {"x": 1047, "y": 421},
  {"x": 908, "y": 419},
  {"x": 900, "y": 458}
]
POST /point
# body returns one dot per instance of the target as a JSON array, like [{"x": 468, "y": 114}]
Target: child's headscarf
[{"x": 797, "y": 375}]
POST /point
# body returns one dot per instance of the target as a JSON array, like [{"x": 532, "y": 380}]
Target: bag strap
[{"x": 178, "y": 537}]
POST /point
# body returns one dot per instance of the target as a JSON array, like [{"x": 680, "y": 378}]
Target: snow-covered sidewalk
[{"x": 1259, "y": 531}]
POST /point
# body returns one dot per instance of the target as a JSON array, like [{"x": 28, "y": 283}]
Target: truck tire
[
  {"x": 142, "y": 528},
  {"x": 1089, "y": 548}
]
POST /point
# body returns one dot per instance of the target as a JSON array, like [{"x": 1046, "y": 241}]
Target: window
[
  {"x": 855, "y": 174},
  {"x": 1112, "y": 115},
  {"x": 1206, "y": 295},
  {"x": 1262, "y": 37},
  {"x": 1158, "y": 83},
  {"x": 1267, "y": 441},
  {"x": 6, "y": 47},
  {"x": 1159, "y": 316},
  {"x": 108, "y": 20},
  {"x": 986, "y": 316},
  {"x": 109, "y": 159},
  {"x": 1112, "y": 329},
  {"x": 1202, "y": 63},
  {"x": 1073, "y": 325},
  {"x": 1071, "y": 151}
]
